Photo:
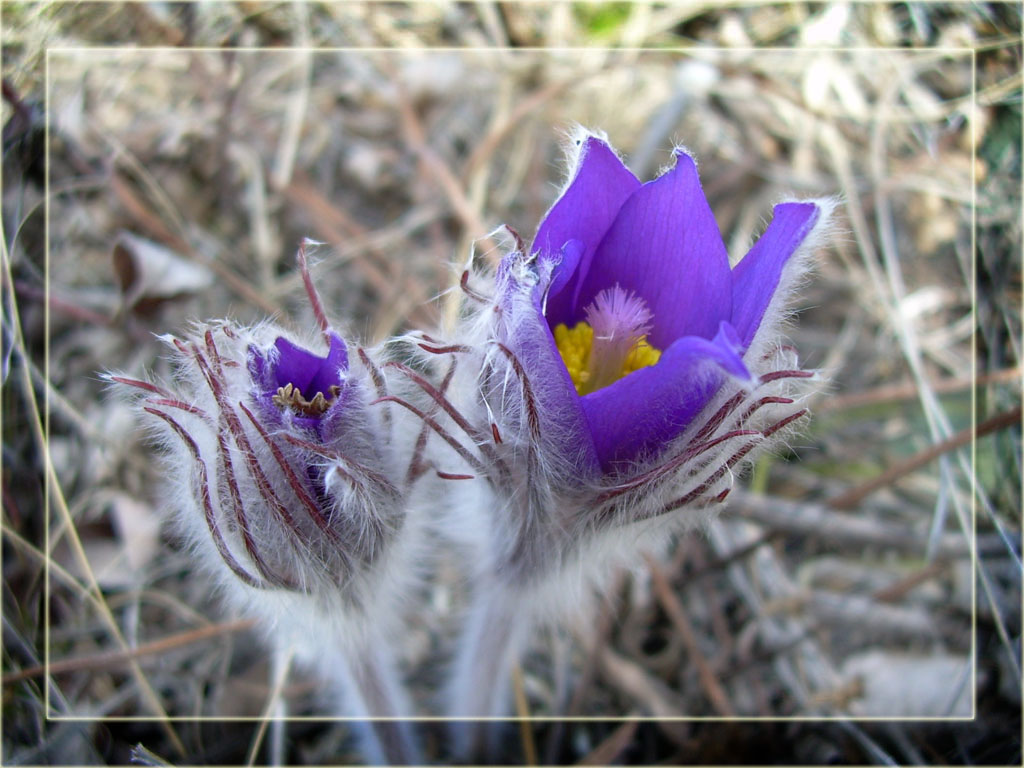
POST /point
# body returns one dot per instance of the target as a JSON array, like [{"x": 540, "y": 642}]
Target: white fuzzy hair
[
  {"x": 797, "y": 271},
  {"x": 540, "y": 482},
  {"x": 342, "y": 586},
  {"x": 538, "y": 532}
]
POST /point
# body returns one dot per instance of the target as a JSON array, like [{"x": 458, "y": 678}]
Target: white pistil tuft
[{"x": 619, "y": 318}]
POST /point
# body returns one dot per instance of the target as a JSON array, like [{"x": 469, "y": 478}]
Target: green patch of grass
[
  {"x": 602, "y": 20},
  {"x": 1002, "y": 141}
]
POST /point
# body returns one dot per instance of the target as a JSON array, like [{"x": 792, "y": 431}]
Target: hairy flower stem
[
  {"x": 370, "y": 689},
  {"x": 280, "y": 664},
  {"x": 497, "y": 623}
]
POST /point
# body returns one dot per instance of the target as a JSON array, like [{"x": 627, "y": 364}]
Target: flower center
[
  {"x": 610, "y": 343},
  {"x": 289, "y": 396}
]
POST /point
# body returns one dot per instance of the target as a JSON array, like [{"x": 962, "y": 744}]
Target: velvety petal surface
[
  {"x": 641, "y": 413},
  {"x": 584, "y": 212},
  {"x": 524, "y": 330},
  {"x": 308, "y": 371},
  {"x": 566, "y": 270},
  {"x": 664, "y": 245},
  {"x": 756, "y": 277},
  {"x": 562, "y": 420}
]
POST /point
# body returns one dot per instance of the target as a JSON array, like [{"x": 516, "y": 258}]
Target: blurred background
[{"x": 861, "y": 592}]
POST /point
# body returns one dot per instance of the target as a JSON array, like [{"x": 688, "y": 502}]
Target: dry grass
[{"x": 816, "y": 588}]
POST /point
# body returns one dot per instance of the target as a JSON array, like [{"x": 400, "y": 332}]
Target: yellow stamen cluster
[
  {"x": 289, "y": 396},
  {"x": 575, "y": 345}
]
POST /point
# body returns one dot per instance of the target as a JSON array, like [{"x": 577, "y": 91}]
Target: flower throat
[{"x": 610, "y": 343}]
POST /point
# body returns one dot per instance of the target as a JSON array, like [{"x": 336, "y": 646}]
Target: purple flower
[
  {"x": 635, "y": 319},
  {"x": 292, "y": 383},
  {"x": 286, "y": 478},
  {"x": 618, "y": 369},
  {"x": 613, "y": 373},
  {"x": 286, "y": 485}
]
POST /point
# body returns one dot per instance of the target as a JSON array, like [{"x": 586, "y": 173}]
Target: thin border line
[
  {"x": 46, "y": 390},
  {"x": 691, "y": 52},
  {"x": 974, "y": 387},
  {"x": 525, "y": 49}
]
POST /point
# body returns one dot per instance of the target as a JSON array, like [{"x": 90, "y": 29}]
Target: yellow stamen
[
  {"x": 289, "y": 396},
  {"x": 576, "y": 346}
]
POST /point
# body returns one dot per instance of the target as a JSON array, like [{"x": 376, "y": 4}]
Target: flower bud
[
  {"x": 286, "y": 486},
  {"x": 286, "y": 481}
]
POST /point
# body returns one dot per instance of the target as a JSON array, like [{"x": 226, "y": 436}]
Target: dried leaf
[
  {"x": 149, "y": 273},
  {"x": 905, "y": 685}
]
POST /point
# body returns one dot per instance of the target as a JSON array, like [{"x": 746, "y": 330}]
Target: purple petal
[
  {"x": 637, "y": 416},
  {"x": 584, "y": 212},
  {"x": 756, "y": 277},
  {"x": 307, "y": 371},
  {"x": 572, "y": 253},
  {"x": 665, "y": 246},
  {"x": 562, "y": 420},
  {"x": 310, "y": 373},
  {"x": 528, "y": 337}
]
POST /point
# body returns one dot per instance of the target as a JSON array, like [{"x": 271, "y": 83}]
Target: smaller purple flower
[
  {"x": 281, "y": 457},
  {"x": 295, "y": 384},
  {"x": 286, "y": 484}
]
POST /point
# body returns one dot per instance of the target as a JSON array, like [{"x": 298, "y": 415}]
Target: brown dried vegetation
[{"x": 193, "y": 146}]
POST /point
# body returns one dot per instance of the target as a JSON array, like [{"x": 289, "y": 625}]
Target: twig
[
  {"x": 909, "y": 391},
  {"x": 142, "y": 756},
  {"x": 63, "y": 306},
  {"x": 492, "y": 140},
  {"x": 609, "y": 750},
  {"x": 646, "y": 690},
  {"x": 449, "y": 183},
  {"x": 295, "y": 112},
  {"x": 334, "y": 225},
  {"x": 894, "y": 592},
  {"x": 116, "y": 658},
  {"x": 834, "y": 610},
  {"x": 720, "y": 563},
  {"x": 523, "y": 711},
  {"x": 853, "y": 496},
  {"x": 810, "y": 519},
  {"x": 280, "y": 666},
  {"x": 715, "y": 693}
]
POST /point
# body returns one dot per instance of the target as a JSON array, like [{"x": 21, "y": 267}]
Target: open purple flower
[
  {"x": 634, "y": 298},
  {"x": 619, "y": 368},
  {"x": 614, "y": 375}
]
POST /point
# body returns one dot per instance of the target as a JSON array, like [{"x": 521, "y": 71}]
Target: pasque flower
[
  {"x": 277, "y": 453},
  {"x": 629, "y": 287},
  {"x": 288, "y": 489},
  {"x": 615, "y": 372},
  {"x": 622, "y": 366}
]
